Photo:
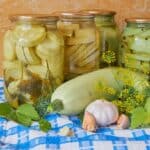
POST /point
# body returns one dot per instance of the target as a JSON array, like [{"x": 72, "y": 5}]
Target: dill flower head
[{"x": 109, "y": 57}]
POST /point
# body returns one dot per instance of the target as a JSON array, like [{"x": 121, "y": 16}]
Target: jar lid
[
  {"x": 99, "y": 12},
  {"x": 33, "y": 17},
  {"x": 76, "y": 15},
  {"x": 138, "y": 20}
]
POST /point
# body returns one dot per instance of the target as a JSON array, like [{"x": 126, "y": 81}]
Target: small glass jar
[
  {"x": 81, "y": 43},
  {"x": 109, "y": 36},
  {"x": 135, "y": 45},
  {"x": 33, "y": 59}
]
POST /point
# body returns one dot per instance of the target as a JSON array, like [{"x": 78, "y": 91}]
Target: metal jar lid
[
  {"x": 137, "y": 20},
  {"x": 97, "y": 12}
]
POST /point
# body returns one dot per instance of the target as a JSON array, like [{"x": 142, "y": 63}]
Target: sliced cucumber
[
  {"x": 137, "y": 64},
  {"x": 145, "y": 34},
  {"x": 140, "y": 44},
  {"x": 141, "y": 57},
  {"x": 132, "y": 31}
]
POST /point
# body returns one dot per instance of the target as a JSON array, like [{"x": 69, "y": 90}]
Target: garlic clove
[
  {"x": 89, "y": 122},
  {"x": 65, "y": 131},
  {"x": 123, "y": 122}
]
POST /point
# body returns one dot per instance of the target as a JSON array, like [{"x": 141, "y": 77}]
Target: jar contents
[
  {"x": 33, "y": 59},
  {"x": 109, "y": 36},
  {"x": 135, "y": 45},
  {"x": 81, "y": 43}
]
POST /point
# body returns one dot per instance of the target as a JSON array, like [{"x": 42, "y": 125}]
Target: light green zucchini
[{"x": 74, "y": 95}]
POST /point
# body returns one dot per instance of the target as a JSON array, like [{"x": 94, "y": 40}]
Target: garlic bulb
[{"x": 105, "y": 112}]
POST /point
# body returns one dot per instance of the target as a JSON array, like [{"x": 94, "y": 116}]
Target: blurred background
[{"x": 124, "y": 9}]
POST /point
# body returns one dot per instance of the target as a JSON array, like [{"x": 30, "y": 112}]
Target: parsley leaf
[
  {"x": 44, "y": 125},
  {"x": 29, "y": 111},
  {"x": 139, "y": 118}
]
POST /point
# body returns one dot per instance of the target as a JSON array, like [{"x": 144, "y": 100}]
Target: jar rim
[
  {"x": 98, "y": 12},
  {"x": 137, "y": 20},
  {"x": 33, "y": 17},
  {"x": 76, "y": 15}
]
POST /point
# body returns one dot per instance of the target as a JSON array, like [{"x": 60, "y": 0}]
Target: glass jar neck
[
  {"x": 48, "y": 25},
  {"x": 138, "y": 25},
  {"x": 21, "y": 22},
  {"x": 74, "y": 20},
  {"x": 104, "y": 20}
]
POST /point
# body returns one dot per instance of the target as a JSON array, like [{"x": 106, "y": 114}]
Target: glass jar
[
  {"x": 135, "y": 45},
  {"x": 109, "y": 36},
  {"x": 33, "y": 59},
  {"x": 81, "y": 43}
]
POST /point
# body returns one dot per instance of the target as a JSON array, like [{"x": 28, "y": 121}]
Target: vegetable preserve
[
  {"x": 109, "y": 36},
  {"x": 135, "y": 45},
  {"x": 33, "y": 58},
  {"x": 81, "y": 43}
]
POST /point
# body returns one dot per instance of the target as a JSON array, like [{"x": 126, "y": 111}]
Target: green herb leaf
[
  {"x": 147, "y": 105},
  {"x": 12, "y": 116},
  {"x": 5, "y": 109},
  {"x": 138, "y": 117},
  {"x": 29, "y": 111},
  {"x": 23, "y": 119},
  {"x": 56, "y": 105},
  {"x": 43, "y": 102},
  {"x": 44, "y": 125}
]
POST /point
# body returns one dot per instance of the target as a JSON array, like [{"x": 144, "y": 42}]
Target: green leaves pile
[{"x": 25, "y": 114}]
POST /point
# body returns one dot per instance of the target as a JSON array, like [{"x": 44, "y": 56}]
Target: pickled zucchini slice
[
  {"x": 56, "y": 69},
  {"x": 29, "y": 35},
  {"x": 50, "y": 47},
  {"x": 83, "y": 52},
  {"x": 13, "y": 87},
  {"x": 11, "y": 64},
  {"x": 82, "y": 36},
  {"x": 27, "y": 55},
  {"x": 67, "y": 29},
  {"x": 40, "y": 70},
  {"x": 9, "y": 46},
  {"x": 15, "y": 73}
]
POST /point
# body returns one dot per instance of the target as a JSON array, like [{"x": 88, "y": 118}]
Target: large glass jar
[
  {"x": 81, "y": 43},
  {"x": 109, "y": 36},
  {"x": 135, "y": 45},
  {"x": 33, "y": 59}
]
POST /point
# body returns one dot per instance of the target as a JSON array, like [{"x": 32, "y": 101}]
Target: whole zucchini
[{"x": 74, "y": 95}]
